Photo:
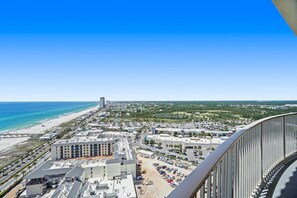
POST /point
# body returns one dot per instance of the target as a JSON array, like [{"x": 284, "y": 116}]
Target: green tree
[
  {"x": 160, "y": 144},
  {"x": 145, "y": 142},
  {"x": 203, "y": 134},
  {"x": 23, "y": 173},
  {"x": 16, "y": 177},
  {"x": 152, "y": 142}
]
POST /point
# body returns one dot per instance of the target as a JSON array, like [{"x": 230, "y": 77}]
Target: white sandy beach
[
  {"x": 41, "y": 128},
  {"x": 6, "y": 143}
]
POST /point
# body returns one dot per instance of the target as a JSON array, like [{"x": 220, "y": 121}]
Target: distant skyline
[{"x": 145, "y": 51}]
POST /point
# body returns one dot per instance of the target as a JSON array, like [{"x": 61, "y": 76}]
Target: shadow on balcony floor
[{"x": 287, "y": 184}]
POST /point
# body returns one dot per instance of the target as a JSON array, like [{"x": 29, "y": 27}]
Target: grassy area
[
  {"x": 16, "y": 159},
  {"x": 68, "y": 124},
  {"x": 19, "y": 150},
  {"x": 228, "y": 112},
  {"x": 30, "y": 145}
]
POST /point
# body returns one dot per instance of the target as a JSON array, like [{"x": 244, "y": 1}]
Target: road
[
  {"x": 12, "y": 169},
  {"x": 12, "y": 180}
]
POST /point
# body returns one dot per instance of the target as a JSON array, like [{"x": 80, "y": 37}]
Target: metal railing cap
[{"x": 190, "y": 186}]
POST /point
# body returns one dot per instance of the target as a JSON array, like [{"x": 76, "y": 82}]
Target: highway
[
  {"x": 27, "y": 170},
  {"x": 12, "y": 169}
]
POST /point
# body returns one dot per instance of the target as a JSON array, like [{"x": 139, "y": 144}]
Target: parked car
[
  {"x": 155, "y": 164},
  {"x": 139, "y": 178},
  {"x": 149, "y": 183},
  {"x": 170, "y": 162}
]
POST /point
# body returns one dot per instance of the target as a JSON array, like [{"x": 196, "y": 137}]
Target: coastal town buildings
[{"x": 100, "y": 176}]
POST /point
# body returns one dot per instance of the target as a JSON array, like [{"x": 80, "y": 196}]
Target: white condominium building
[{"x": 82, "y": 147}]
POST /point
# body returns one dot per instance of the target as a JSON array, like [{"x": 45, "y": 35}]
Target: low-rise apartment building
[{"x": 82, "y": 147}]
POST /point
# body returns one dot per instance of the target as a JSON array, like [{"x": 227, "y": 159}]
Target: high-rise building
[{"x": 102, "y": 102}]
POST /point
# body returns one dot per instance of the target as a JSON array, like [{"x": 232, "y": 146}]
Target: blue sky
[{"x": 145, "y": 50}]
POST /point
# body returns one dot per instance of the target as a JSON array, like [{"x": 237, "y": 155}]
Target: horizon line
[{"x": 248, "y": 100}]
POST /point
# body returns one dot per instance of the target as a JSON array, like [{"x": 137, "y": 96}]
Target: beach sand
[{"x": 6, "y": 143}]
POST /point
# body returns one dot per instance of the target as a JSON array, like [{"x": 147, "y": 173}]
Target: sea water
[{"x": 19, "y": 115}]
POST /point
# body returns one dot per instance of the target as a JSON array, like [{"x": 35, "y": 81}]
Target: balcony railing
[{"x": 238, "y": 167}]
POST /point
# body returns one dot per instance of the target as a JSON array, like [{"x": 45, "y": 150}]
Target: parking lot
[{"x": 164, "y": 177}]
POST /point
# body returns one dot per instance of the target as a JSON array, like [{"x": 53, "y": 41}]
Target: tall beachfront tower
[{"x": 102, "y": 102}]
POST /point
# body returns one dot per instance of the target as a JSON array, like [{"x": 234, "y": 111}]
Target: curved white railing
[{"x": 238, "y": 166}]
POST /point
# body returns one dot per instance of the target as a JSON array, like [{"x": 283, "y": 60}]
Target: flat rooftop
[
  {"x": 82, "y": 140},
  {"x": 186, "y": 139},
  {"x": 117, "y": 133},
  {"x": 122, "y": 187},
  {"x": 124, "y": 148}
]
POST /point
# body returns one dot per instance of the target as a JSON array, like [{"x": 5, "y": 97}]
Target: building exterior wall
[
  {"x": 34, "y": 189},
  {"x": 129, "y": 168},
  {"x": 288, "y": 10},
  {"x": 113, "y": 170},
  {"x": 70, "y": 150},
  {"x": 96, "y": 171},
  {"x": 110, "y": 171}
]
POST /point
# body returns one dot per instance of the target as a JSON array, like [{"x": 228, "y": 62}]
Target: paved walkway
[{"x": 287, "y": 184}]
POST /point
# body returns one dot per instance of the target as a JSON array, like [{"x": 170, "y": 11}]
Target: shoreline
[
  {"x": 51, "y": 123},
  {"x": 45, "y": 120},
  {"x": 8, "y": 143}
]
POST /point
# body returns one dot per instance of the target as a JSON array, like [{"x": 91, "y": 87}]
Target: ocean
[{"x": 19, "y": 115}]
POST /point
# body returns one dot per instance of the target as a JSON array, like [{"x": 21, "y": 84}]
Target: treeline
[{"x": 216, "y": 111}]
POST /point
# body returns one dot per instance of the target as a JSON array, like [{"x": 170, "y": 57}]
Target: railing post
[
  {"x": 202, "y": 191},
  {"x": 214, "y": 183},
  {"x": 209, "y": 186},
  {"x": 261, "y": 149},
  {"x": 219, "y": 179},
  {"x": 284, "y": 135},
  {"x": 230, "y": 175}
]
